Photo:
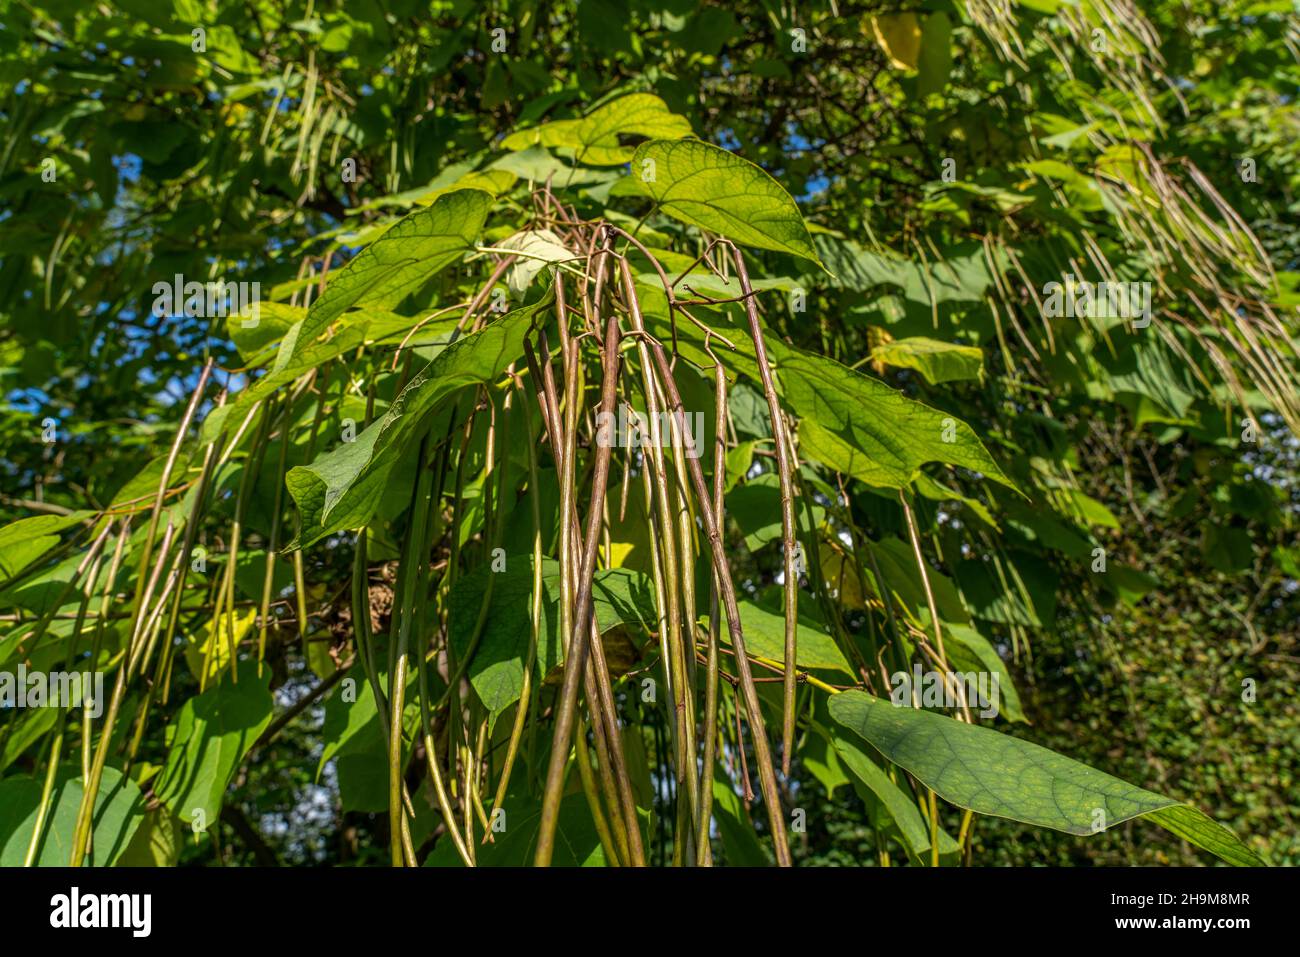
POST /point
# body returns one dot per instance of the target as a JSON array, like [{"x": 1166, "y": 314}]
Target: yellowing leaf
[
  {"x": 211, "y": 643},
  {"x": 899, "y": 35},
  {"x": 937, "y": 361},
  {"x": 595, "y": 138}
]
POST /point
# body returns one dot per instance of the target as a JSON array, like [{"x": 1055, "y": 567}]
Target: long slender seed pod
[
  {"x": 788, "y": 543},
  {"x": 709, "y": 725},
  {"x": 535, "y": 617},
  {"x": 605, "y": 772},
  {"x": 609, "y": 743},
  {"x": 593, "y": 799},
  {"x": 164, "y": 481},
  {"x": 576, "y": 656},
  {"x": 407, "y": 583},
  {"x": 268, "y": 580},
  {"x": 767, "y": 774}
]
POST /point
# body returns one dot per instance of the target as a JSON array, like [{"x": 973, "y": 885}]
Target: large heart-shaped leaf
[
  {"x": 709, "y": 187},
  {"x": 993, "y": 773},
  {"x": 860, "y": 426},
  {"x": 764, "y": 633},
  {"x": 850, "y": 422}
]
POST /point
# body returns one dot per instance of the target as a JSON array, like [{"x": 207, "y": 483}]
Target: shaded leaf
[
  {"x": 900, "y": 806},
  {"x": 764, "y": 634},
  {"x": 993, "y": 773},
  {"x": 620, "y": 597},
  {"x": 576, "y": 841}
]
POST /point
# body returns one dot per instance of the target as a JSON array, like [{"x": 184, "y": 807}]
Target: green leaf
[
  {"x": 353, "y": 737},
  {"x": 595, "y": 138},
  {"x": 739, "y": 459},
  {"x": 1227, "y": 548},
  {"x": 214, "y": 731},
  {"x": 900, "y": 806},
  {"x": 740, "y": 843},
  {"x": 274, "y": 319},
  {"x": 897, "y": 563},
  {"x": 937, "y": 361},
  {"x": 756, "y": 507},
  {"x": 818, "y": 755},
  {"x": 457, "y": 176},
  {"x": 1128, "y": 584},
  {"x": 156, "y": 842},
  {"x": 26, "y": 730},
  {"x": 968, "y": 650},
  {"x": 860, "y": 426},
  {"x": 1019, "y": 590},
  {"x": 24, "y": 541},
  {"x": 711, "y": 188},
  {"x": 401, "y": 261},
  {"x": 119, "y": 807},
  {"x": 620, "y": 598},
  {"x": 210, "y": 642},
  {"x": 938, "y": 492},
  {"x": 290, "y": 363},
  {"x": 850, "y": 422},
  {"x": 1082, "y": 508},
  {"x": 343, "y": 487},
  {"x": 576, "y": 841},
  {"x": 963, "y": 276},
  {"x": 992, "y": 773},
  {"x": 764, "y": 633},
  {"x": 935, "y": 62}
]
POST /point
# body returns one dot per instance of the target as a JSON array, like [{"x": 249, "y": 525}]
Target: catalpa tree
[{"x": 551, "y": 434}]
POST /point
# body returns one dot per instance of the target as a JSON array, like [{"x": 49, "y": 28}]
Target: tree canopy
[{"x": 655, "y": 432}]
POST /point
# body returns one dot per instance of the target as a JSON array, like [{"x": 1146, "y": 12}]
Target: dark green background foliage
[{"x": 949, "y": 161}]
